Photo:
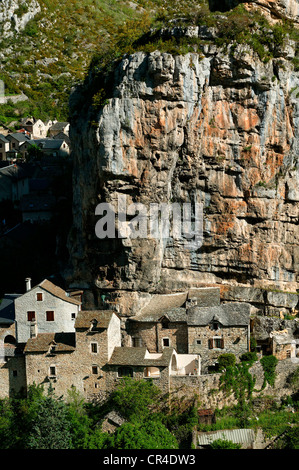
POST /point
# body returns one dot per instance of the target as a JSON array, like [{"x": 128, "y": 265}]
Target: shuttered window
[
  {"x": 50, "y": 315},
  {"x": 30, "y": 316}
]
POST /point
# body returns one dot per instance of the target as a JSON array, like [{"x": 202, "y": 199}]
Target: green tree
[
  {"x": 145, "y": 435},
  {"x": 51, "y": 426},
  {"x": 269, "y": 365},
  {"x": 6, "y": 424},
  {"x": 134, "y": 398}
]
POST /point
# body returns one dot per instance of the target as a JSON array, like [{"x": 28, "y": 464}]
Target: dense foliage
[{"x": 44, "y": 421}]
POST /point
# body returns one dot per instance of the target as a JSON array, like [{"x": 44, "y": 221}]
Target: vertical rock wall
[{"x": 218, "y": 127}]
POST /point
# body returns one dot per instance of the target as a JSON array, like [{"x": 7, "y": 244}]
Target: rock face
[
  {"x": 216, "y": 127},
  {"x": 273, "y": 9}
]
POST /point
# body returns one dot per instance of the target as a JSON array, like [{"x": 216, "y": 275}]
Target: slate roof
[
  {"x": 125, "y": 356},
  {"x": 18, "y": 136},
  {"x": 7, "y": 308},
  {"x": 57, "y": 291},
  {"x": 173, "y": 305},
  {"x": 85, "y": 317},
  {"x": 230, "y": 314},
  {"x": 58, "y": 126},
  {"x": 15, "y": 172},
  {"x": 49, "y": 144},
  {"x": 64, "y": 342},
  {"x": 4, "y": 139},
  {"x": 160, "y": 305}
]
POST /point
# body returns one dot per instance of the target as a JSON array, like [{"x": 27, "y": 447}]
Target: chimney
[
  {"x": 28, "y": 283},
  {"x": 191, "y": 302},
  {"x": 33, "y": 329}
]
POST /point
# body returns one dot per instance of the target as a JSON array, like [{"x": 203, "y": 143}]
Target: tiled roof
[
  {"x": 58, "y": 292},
  {"x": 124, "y": 356},
  {"x": 63, "y": 342},
  {"x": 85, "y": 317}
]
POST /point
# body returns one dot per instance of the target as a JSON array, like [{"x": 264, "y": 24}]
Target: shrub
[
  {"x": 249, "y": 357},
  {"x": 269, "y": 364},
  {"x": 226, "y": 360},
  {"x": 224, "y": 444}
]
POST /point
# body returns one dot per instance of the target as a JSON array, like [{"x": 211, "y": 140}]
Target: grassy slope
[
  {"x": 79, "y": 30},
  {"x": 71, "y": 34}
]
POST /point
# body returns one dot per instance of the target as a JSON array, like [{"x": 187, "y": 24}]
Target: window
[
  {"x": 125, "y": 372},
  {"x": 165, "y": 342},
  {"x": 94, "y": 347},
  {"x": 288, "y": 353},
  {"x": 215, "y": 325},
  {"x": 39, "y": 296},
  {"x": 73, "y": 316},
  {"x": 137, "y": 342},
  {"x": 94, "y": 369},
  {"x": 216, "y": 343},
  {"x": 30, "y": 316},
  {"x": 52, "y": 370},
  {"x": 50, "y": 315},
  {"x": 198, "y": 341},
  {"x": 14, "y": 373}
]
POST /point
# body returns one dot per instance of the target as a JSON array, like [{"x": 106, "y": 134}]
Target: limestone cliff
[{"x": 218, "y": 126}]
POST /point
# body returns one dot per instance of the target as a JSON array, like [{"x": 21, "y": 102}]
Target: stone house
[
  {"x": 283, "y": 345},
  {"x": 45, "y": 308},
  {"x": 36, "y": 127},
  {"x": 12, "y": 364},
  {"x": 192, "y": 323},
  {"x": 59, "y": 127},
  {"x": 139, "y": 363},
  {"x": 67, "y": 360},
  {"x": 17, "y": 140},
  {"x": 4, "y": 147}
]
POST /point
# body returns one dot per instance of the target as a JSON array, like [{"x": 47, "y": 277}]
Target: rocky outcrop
[
  {"x": 273, "y": 9},
  {"x": 217, "y": 127},
  {"x": 15, "y": 14}
]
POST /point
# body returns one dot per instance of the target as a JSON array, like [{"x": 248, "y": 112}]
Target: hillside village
[{"x": 47, "y": 337}]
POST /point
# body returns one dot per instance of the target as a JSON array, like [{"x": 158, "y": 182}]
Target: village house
[
  {"x": 36, "y": 127},
  {"x": 192, "y": 323},
  {"x": 4, "y": 147},
  {"x": 17, "y": 140},
  {"x": 67, "y": 360},
  {"x": 283, "y": 345},
  {"x": 51, "y": 147},
  {"x": 59, "y": 127},
  {"x": 45, "y": 308}
]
